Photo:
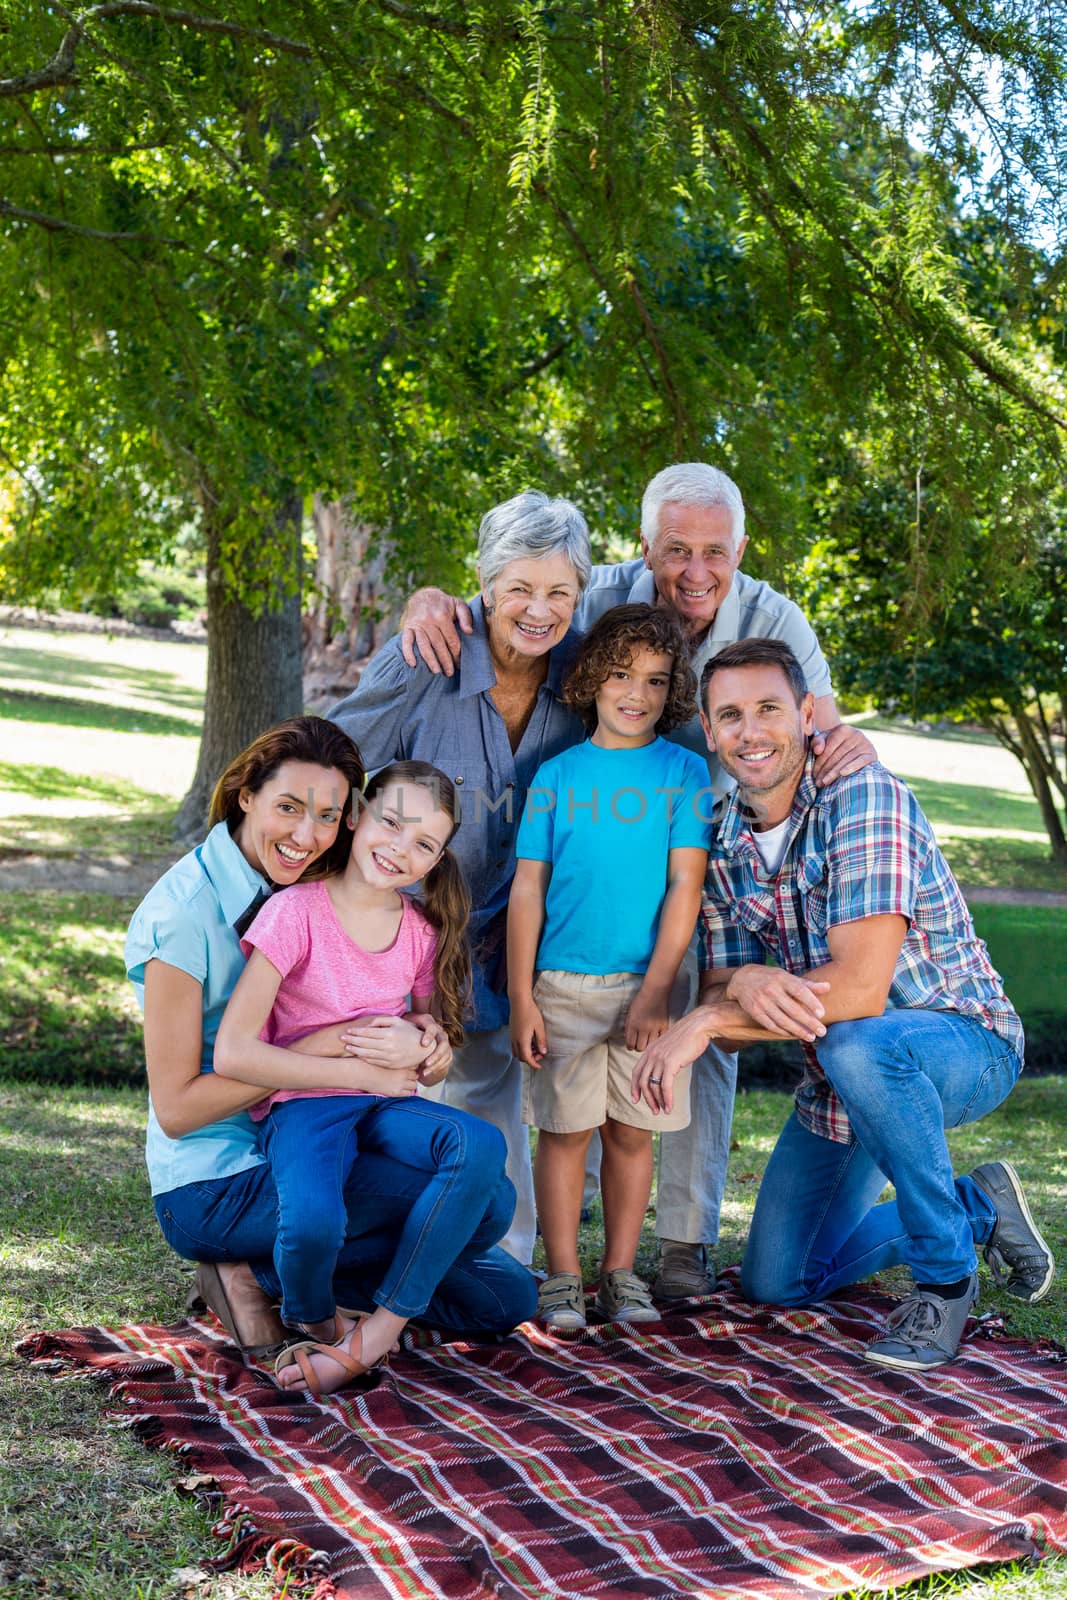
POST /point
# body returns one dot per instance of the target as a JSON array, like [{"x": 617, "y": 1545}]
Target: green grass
[
  {"x": 66, "y": 1011},
  {"x": 67, "y": 712},
  {"x": 95, "y": 668},
  {"x": 86, "y": 1511},
  {"x": 1028, "y": 945}
]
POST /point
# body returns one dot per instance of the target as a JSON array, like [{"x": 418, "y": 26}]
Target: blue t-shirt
[
  {"x": 606, "y": 820},
  {"x": 186, "y": 921}
]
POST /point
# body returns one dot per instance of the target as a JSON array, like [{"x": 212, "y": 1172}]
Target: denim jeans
[
  {"x": 480, "y": 1290},
  {"x": 903, "y": 1078},
  {"x": 311, "y": 1144}
]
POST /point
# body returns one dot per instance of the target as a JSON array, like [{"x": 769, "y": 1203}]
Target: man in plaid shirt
[{"x": 906, "y": 1026}]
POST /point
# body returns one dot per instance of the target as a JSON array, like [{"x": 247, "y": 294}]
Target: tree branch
[
  {"x": 62, "y": 70},
  {"x": 41, "y": 219}
]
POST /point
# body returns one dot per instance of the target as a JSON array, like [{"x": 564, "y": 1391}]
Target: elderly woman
[{"x": 490, "y": 726}]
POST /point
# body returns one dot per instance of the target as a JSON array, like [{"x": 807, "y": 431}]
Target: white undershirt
[{"x": 771, "y": 845}]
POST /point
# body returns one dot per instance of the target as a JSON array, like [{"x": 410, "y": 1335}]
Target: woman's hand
[
  {"x": 390, "y": 1081},
  {"x": 386, "y": 1042},
  {"x": 529, "y": 1042},
  {"x": 435, "y": 1065}
]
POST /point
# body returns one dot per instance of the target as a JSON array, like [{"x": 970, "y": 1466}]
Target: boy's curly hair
[{"x": 612, "y": 641}]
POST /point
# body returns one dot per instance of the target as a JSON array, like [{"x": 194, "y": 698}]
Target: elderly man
[
  {"x": 692, "y": 541},
  {"x": 906, "y": 1025}
]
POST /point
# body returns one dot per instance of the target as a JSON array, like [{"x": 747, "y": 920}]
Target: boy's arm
[
  {"x": 526, "y": 919},
  {"x": 649, "y": 1013}
]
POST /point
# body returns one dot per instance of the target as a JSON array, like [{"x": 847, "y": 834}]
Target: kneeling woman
[{"x": 277, "y": 814}]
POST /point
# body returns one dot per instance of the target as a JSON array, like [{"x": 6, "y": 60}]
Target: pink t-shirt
[{"x": 326, "y": 976}]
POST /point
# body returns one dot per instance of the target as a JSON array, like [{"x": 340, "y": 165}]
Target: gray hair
[
  {"x": 691, "y": 483},
  {"x": 530, "y": 527}
]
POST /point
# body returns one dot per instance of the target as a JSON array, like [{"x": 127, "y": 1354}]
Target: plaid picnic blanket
[{"x": 730, "y": 1453}]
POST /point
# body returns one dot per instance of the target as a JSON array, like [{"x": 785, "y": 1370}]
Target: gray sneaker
[
  {"x": 685, "y": 1271},
  {"x": 561, "y": 1303},
  {"x": 1019, "y": 1259},
  {"x": 924, "y": 1331},
  {"x": 624, "y": 1297}
]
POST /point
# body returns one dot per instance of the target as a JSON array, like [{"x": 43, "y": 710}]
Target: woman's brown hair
[
  {"x": 310, "y": 739},
  {"x": 612, "y": 641},
  {"x": 444, "y": 898}
]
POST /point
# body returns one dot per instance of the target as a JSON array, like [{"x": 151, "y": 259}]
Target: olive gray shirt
[{"x": 752, "y": 609}]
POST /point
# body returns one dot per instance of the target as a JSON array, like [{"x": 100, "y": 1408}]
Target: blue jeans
[
  {"x": 311, "y": 1145},
  {"x": 903, "y": 1078},
  {"x": 235, "y": 1218}
]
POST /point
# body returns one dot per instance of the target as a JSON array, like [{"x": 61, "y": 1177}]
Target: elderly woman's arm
[{"x": 375, "y": 712}]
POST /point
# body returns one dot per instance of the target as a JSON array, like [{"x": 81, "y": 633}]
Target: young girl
[
  {"x": 612, "y": 850},
  {"x": 352, "y": 946}
]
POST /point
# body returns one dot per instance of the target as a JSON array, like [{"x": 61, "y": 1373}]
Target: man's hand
[
  {"x": 529, "y": 1041},
  {"x": 431, "y": 620},
  {"x": 654, "y": 1075},
  {"x": 648, "y": 1019},
  {"x": 840, "y": 751},
  {"x": 387, "y": 1042},
  {"x": 779, "y": 1000}
]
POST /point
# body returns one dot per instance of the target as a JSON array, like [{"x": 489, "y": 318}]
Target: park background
[{"x": 288, "y": 296}]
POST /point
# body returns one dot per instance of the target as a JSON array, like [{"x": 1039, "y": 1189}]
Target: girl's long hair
[
  {"x": 444, "y": 899},
  {"x": 311, "y": 739}
]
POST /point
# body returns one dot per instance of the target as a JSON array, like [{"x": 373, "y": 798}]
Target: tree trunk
[
  {"x": 1034, "y": 766},
  {"x": 253, "y": 669},
  {"x": 353, "y": 611}
]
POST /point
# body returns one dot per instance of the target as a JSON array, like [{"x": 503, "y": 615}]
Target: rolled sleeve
[{"x": 375, "y": 712}]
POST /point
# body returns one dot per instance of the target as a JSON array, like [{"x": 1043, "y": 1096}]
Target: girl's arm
[
  {"x": 649, "y": 1013},
  {"x": 526, "y": 918},
  {"x": 183, "y": 1098},
  {"x": 241, "y": 1054}
]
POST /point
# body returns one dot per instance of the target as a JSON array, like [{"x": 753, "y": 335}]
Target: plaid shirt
[{"x": 859, "y": 848}]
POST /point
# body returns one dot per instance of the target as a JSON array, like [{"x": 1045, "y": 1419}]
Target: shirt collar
[
  {"x": 231, "y": 877},
  {"x": 735, "y": 825},
  {"x": 723, "y": 631},
  {"x": 477, "y": 674}
]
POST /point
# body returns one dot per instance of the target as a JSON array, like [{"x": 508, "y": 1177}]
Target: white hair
[
  {"x": 530, "y": 527},
  {"x": 691, "y": 483}
]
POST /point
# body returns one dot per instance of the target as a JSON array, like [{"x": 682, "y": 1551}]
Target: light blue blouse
[{"x": 186, "y": 920}]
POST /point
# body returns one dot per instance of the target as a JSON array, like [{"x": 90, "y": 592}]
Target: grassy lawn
[{"x": 86, "y": 1511}]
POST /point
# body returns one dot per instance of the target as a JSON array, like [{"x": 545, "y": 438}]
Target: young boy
[{"x": 612, "y": 850}]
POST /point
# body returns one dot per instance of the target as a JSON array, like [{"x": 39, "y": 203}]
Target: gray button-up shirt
[
  {"x": 752, "y": 609},
  {"x": 399, "y": 713}
]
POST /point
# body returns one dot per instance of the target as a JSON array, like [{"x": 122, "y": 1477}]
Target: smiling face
[
  {"x": 291, "y": 819},
  {"x": 760, "y": 734},
  {"x": 530, "y": 607},
  {"x": 693, "y": 561},
  {"x": 630, "y": 701},
  {"x": 399, "y": 835}
]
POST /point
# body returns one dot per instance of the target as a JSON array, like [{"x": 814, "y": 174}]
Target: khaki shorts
[{"x": 585, "y": 1076}]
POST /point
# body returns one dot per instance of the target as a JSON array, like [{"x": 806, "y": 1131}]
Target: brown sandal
[
  {"x": 296, "y": 1355},
  {"x": 248, "y": 1315}
]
